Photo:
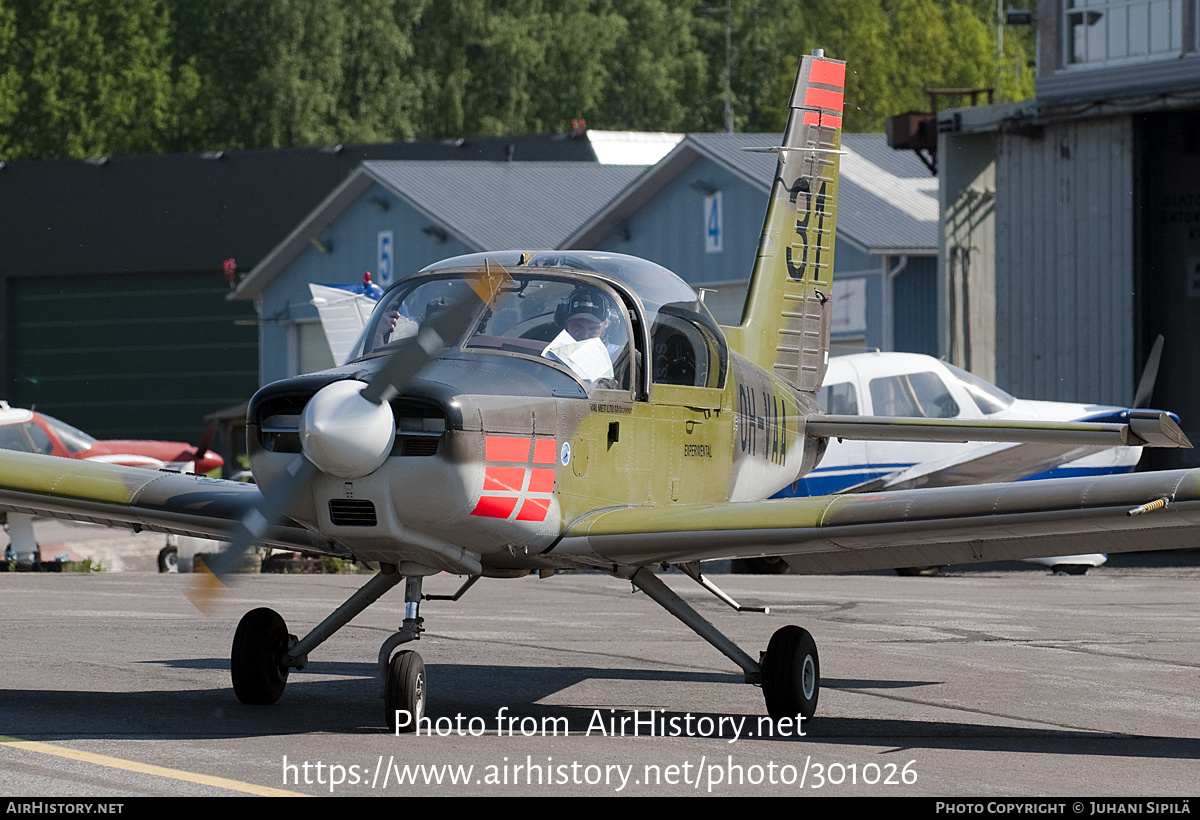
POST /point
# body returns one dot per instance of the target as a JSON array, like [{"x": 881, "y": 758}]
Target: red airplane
[{"x": 28, "y": 431}]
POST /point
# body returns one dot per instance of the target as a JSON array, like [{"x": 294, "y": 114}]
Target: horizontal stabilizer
[{"x": 1146, "y": 428}]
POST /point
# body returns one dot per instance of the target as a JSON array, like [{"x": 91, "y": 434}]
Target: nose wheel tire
[
  {"x": 404, "y": 692},
  {"x": 791, "y": 674},
  {"x": 259, "y": 645}
]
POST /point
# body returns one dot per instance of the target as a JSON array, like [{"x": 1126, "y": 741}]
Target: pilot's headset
[{"x": 584, "y": 300}]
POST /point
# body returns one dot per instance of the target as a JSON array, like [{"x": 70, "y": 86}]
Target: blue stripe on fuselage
[{"x": 835, "y": 479}]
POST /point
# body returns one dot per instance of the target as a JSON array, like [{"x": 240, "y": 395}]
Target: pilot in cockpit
[
  {"x": 588, "y": 320},
  {"x": 585, "y": 314}
]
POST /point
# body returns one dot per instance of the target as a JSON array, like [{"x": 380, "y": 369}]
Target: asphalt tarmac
[{"x": 995, "y": 683}]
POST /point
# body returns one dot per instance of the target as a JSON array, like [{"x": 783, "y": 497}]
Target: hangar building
[{"x": 1070, "y": 231}]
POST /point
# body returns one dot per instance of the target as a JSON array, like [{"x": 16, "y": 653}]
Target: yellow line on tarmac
[{"x": 146, "y": 768}]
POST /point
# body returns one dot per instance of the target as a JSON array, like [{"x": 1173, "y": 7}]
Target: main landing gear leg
[{"x": 789, "y": 671}]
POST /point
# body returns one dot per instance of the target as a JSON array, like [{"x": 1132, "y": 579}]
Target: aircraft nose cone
[{"x": 345, "y": 435}]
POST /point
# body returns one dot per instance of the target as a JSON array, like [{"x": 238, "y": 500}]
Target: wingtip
[{"x": 1155, "y": 428}]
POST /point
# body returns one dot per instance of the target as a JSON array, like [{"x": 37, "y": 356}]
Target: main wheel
[
  {"x": 918, "y": 572},
  {"x": 791, "y": 674},
  {"x": 168, "y": 559},
  {"x": 259, "y": 645},
  {"x": 769, "y": 565},
  {"x": 404, "y": 692}
]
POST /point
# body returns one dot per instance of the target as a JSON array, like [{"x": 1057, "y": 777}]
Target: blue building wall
[
  {"x": 914, "y": 296},
  {"x": 352, "y": 243},
  {"x": 671, "y": 227}
]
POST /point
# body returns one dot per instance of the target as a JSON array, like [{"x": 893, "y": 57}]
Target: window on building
[{"x": 1098, "y": 32}]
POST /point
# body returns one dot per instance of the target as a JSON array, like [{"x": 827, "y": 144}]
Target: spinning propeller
[
  {"x": 347, "y": 429},
  {"x": 1145, "y": 388}
]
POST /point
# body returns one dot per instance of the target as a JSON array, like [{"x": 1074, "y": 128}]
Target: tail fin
[{"x": 785, "y": 326}]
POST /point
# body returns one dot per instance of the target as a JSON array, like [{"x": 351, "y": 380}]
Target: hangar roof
[
  {"x": 888, "y": 201},
  {"x": 486, "y": 205}
]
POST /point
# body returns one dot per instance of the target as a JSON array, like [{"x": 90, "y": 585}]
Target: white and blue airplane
[{"x": 915, "y": 385}]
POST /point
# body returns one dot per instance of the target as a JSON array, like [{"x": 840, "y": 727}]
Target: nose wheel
[
  {"x": 791, "y": 674},
  {"x": 404, "y": 692},
  {"x": 257, "y": 660}
]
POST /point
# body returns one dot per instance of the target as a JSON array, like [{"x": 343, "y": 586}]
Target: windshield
[
  {"x": 686, "y": 346},
  {"x": 74, "y": 440},
  {"x": 990, "y": 398},
  {"x": 558, "y": 318}
]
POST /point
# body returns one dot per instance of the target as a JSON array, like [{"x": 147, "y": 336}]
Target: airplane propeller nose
[{"x": 344, "y": 434}]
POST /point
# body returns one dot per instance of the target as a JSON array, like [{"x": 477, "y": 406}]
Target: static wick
[{"x": 1157, "y": 504}]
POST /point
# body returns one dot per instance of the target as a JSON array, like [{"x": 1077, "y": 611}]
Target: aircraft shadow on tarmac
[{"x": 340, "y": 698}]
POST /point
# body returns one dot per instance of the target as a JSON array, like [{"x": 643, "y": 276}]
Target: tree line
[{"x": 83, "y": 78}]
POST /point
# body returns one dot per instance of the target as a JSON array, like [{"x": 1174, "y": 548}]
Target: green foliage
[
  {"x": 896, "y": 49},
  {"x": 378, "y": 99},
  {"x": 10, "y": 77},
  {"x": 95, "y": 77},
  {"x": 501, "y": 68},
  {"x": 88, "y": 77},
  {"x": 269, "y": 70},
  {"x": 88, "y": 564},
  {"x": 658, "y": 78}
]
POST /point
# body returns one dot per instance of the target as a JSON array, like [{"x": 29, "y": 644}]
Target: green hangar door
[{"x": 129, "y": 355}]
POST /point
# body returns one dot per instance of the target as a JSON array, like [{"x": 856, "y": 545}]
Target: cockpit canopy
[{"x": 605, "y": 300}]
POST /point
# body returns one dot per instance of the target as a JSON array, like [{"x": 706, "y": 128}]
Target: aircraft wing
[
  {"x": 987, "y": 465},
  {"x": 138, "y": 498},
  {"x": 927, "y": 527},
  {"x": 840, "y": 533}
]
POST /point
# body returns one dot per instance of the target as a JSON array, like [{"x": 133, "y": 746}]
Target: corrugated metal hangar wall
[{"x": 1064, "y": 261}]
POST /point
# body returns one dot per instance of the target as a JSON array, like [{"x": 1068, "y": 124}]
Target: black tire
[
  {"x": 259, "y": 645},
  {"x": 791, "y": 674},
  {"x": 168, "y": 559},
  {"x": 1071, "y": 569},
  {"x": 918, "y": 572},
  {"x": 404, "y": 691},
  {"x": 770, "y": 565}
]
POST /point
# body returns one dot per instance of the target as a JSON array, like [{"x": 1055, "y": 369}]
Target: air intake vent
[
  {"x": 420, "y": 428},
  {"x": 411, "y": 445},
  {"x": 350, "y": 512}
]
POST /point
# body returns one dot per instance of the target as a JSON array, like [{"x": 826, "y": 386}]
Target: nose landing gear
[{"x": 404, "y": 692}]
